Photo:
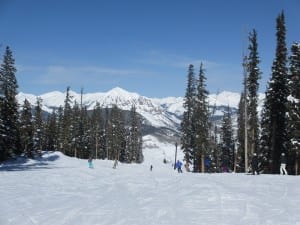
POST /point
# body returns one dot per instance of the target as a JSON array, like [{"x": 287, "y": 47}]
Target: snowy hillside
[
  {"x": 59, "y": 190},
  {"x": 164, "y": 112}
]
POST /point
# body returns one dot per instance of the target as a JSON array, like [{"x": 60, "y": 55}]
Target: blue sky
[{"x": 142, "y": 46}]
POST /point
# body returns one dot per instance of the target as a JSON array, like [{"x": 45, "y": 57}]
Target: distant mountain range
[{"x": 163, "y": 115}]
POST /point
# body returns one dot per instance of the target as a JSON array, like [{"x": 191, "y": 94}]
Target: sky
[{"x": 141, "y": 46}]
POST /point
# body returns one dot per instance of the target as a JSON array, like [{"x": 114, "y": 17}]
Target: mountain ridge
[
  {"x": 56, "y": 98},
  {"x": 157, "y": 112}
]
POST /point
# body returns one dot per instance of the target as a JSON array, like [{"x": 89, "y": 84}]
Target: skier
[
  {"x": 207, "y": 163},
  {"x": 178, "y": 166},
  {"x": 283, "y": 164},
  {"x": 254, "y": 164},
  {"x": 151, "y": 167},
  {"x": 90, "y": 162},
  {"x": 115, "y": 164}
]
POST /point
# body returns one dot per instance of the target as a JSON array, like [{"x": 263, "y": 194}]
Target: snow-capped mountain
[
  {"x": 153, "y": 112},
  {"x": 157, "y": 112}
]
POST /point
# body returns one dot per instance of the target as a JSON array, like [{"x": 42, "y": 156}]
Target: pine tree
[
  {"x": 51, "y": 134},
  {"x": 276, "y": 99},
  {"x": 201, "y": 124},
  {"x": 265, "y": 141},
  {"x": 9, "y": 125},
  {"x": 294, "y": 108},
  {"x": 38, "y": 138},
  {"x": 227, "y": 142},
  {"x": 108, "y": 135},
  {"x": 80, "y": 132},
  {"x": 240, "y": 166},
  {"x": 117, "y": 135},
  {"x": 187, "y": 141},
  {"x": 97, "y": 126},
  {"x": 133, "y": 151},
  {"x": 254, "y": 75},
  {"x": 66, "y": 127},
  {"x": 59, "y": 128},
  {"x": 136, "y": 125},
  {"x": 214, "y": 159},
  {"x": 83, "y": 131},
  {"x": 86, "y": 132},
  {"x": 77, "y": 130},
  {"x": 26, "y": 129}
]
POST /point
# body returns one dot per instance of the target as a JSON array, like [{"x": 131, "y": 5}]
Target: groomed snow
[{"x": 59, "y": 190}]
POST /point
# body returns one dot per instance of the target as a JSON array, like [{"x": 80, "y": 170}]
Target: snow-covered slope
[{"x": 59, "y": 190}]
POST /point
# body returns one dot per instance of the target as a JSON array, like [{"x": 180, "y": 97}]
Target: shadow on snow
[{"x": 23, "y": 163}]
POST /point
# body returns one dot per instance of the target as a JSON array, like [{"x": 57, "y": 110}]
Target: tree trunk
[
  {"x": 202, "y": 163},
  {"x": 235, "y": 160},
  {"x": 96, "y": 147}
]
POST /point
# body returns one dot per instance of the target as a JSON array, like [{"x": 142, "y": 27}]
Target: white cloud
[
  {"x": 57, "y": 74},
  {"x": 155, "y": 57}
]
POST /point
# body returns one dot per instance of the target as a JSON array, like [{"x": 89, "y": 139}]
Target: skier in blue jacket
[{"x": 178, "y": 166}]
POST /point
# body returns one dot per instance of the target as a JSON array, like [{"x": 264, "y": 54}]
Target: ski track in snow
[{"x": 66, "y": 192}]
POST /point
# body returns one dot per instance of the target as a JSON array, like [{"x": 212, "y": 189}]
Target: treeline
[
  {"x": 71, "y": 129},
  {"x": 209, "y": 148}
]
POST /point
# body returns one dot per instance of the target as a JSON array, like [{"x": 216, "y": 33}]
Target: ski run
[{"x": 59, "y": 190}]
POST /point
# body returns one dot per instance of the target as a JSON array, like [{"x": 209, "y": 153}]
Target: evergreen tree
[
  {"x": 265, "y": 141},
  {"x": 294, "y": 108},
  {"x": 254, "y": 75},
  {"x": 133, "y": 151},
  {"x": 227, "y": 141},
  {"x": 26, "y": 129},
  {"x": 86, "y": 132},
  {"x": 240, "y": 166},
  {"x": 9, "y": 125},
  {"x": 214, "y": 159},
  {"x": 51, "y": 134},
  {"x": 108, "y": 135},
  {"x": 67, "y": 129},
  {"x": 117, "y": 135},
  {"x": 201, "y": 124},
  {"x": 187, "y": 138},
  {"x": 276, "y": 99},
  {"x": 38, "y": 139},
  {"x": 80, "y": 132},
  {"x": 59, "y": 128},
  {"x": 97, "y": 126},
  {"x": 77, "y": 130}
]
